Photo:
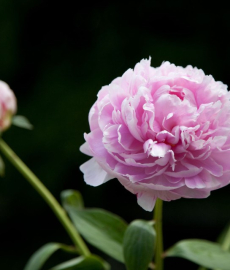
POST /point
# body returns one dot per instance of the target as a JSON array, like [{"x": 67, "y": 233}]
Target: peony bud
[{"x": 7, "y": 106}]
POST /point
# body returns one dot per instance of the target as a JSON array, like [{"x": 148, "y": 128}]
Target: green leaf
[
  {"x": 22, "y": 122},
  {"x": 38, "y": 259},
  {"x": 223, "y": 240},
  {"x": 72, "y": 198},
  {"x": 138, "y": 245},
  {"x": 202, "y": 252},
  {"x": 83, "y": 263},
  {"x": 100, "y": 228},
  {"x": 2, "y": 167}
]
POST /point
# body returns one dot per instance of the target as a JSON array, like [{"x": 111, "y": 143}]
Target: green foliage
[
  {"x": 38, "y": 259},
  {"x": 224, "y": 238},
  {"x": 100, "y": 228},
  {"x": 138, "y": 245},
  {"x": 22, "y": 122},
  {"x": 72, "y": 198},
  {"x": 83, "y": 263},
  {"x": 204, "y": 253}
]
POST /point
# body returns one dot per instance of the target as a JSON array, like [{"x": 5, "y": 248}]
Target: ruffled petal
[
  {"x": 195, "y": 182},
  {"x": 94, "y": 175},
  {"x": 146, "y": 201},
  {"x": 186, "y": 192},
  {"x": 84, "y": 148}
]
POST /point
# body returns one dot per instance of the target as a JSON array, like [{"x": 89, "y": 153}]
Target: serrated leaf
[
  {"x": 72, "y": 198},
  {"x": 83, "y": 263},
  {"x": 101, "y": 229},
  {"x": 138, "y": 245},
  {"x": 22, "y": 122},
  {"x": 38, "y": 259},
  {"x": 204, "y": 253}
]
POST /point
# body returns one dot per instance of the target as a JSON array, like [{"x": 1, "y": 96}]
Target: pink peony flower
[
  {"x": 7, "y": 105},
  {"x": 162, "y": 132}
]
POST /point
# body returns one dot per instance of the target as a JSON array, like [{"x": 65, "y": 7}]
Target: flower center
[
  {"x": 177, "y": 91},
  {"x": 155, "y": 149}
]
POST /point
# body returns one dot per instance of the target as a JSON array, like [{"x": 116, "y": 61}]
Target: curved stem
[
  {"x": 226, "y": 242},
  {"x": 47, "y": 196},
  {"x": 159, "y": 235}
]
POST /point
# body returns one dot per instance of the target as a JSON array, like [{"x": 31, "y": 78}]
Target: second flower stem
[
  {"x": 159, "y": 235},
  {"x": 47, "y": 196}
]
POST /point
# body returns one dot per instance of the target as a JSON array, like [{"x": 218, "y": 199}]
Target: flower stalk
[
  {"x": 159, "y": 235},
  {"x": 47, "y": 196}
]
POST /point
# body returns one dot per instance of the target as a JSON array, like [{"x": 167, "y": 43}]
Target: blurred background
[{"x": 56, "y": 57}]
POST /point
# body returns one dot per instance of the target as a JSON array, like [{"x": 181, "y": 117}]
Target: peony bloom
[
  {"x": 162, "y": 132},
  {"x": 7, "y": 105}
]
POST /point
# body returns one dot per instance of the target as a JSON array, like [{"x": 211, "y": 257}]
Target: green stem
[
  {"x": 159, "y": 235},
  {"x": 47, "y": 196},
  {"x": 226, "y": 242},
  {"x": 69, "y": 249}
]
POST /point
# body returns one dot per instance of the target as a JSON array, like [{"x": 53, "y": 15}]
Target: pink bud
[{"x": 8, "y": 105}]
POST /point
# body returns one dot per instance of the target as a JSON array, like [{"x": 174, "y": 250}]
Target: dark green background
[{"x": 56, "y": 56}]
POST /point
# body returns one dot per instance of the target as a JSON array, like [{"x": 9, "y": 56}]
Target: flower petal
[
  {"x": 84, "y": 148},
  {"x": 195, "y": 182},
  {"x": 186, "y": 192},
  {"x": 94, "y": 175},
  {"x": 146, "y": 201}
]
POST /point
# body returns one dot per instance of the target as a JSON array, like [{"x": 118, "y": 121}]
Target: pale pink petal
[
  {"x": 185, "y": 173},
  {"x": 84, "y": 148},
  {"x": 195, "y": 182},
  {"x": 110, "y": 139},
  {"x": 105, "y": 115},
  {"x": 127, "y": 141},
  {"x": 222, "y": 157},
  {"x": 94, "y": 175},
  {"x": 159, "y": 150},
  {"x": 93, "y": 118},
  {"x": 146, "y": 201},
  {"x": 213, "y": 167},
  {"x": 94, "y": 140},
  {"x": 129, "y": 116},
  {"x": 186, "y": 192},
  {"x": 116, "y": 95},
  {"x": 156, "y": 149}
]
